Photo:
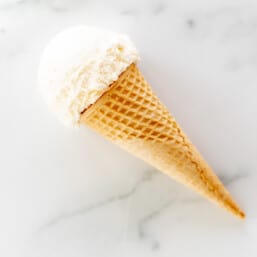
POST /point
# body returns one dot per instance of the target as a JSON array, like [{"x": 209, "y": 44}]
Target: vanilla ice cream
[{"x": 79, "y": 65}]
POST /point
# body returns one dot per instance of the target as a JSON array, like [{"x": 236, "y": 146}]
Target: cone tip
[{"x": 240, "y": 214}]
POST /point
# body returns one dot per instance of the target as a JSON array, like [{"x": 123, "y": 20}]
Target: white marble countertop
[{"x": 69, "y": 193}]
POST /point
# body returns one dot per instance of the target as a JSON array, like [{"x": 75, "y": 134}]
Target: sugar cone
[{"x": 131, "y": 115}]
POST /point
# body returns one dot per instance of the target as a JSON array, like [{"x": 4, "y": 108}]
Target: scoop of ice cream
[{"x": 79, "y": 65}]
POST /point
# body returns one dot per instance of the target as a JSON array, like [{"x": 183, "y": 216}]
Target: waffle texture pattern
[{"x": 131, "y": 115}]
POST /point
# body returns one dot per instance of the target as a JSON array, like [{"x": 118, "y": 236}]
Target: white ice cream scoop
[{"x": 78, "y": 66}]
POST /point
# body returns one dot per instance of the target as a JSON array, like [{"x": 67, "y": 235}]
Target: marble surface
[{"x": 69, "y": 193}]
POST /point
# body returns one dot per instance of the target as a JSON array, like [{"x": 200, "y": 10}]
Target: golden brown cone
[{"x": 131, "y": 116}]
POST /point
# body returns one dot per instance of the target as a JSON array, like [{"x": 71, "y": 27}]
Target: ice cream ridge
[{"x": 90, "y": 76}]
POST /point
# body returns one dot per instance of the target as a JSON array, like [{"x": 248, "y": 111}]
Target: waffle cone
[{"x": 131, "y": 116}]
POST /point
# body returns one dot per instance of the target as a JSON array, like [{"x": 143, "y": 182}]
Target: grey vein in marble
[
  {"x": 147, "y": 176},
  {"x": 129, "y": 12},
  {"x": 238, "y": 25},
  {"x": 191, "y": 23},
  {"x": 2, "y": 31},
  {"x": 8, "y": 5},
  {"x": 142, "y": 224},
  {"x": 159, "y": 8},
  {"x": 58, "y": 6},
  {"x": 227, "y": 180}
]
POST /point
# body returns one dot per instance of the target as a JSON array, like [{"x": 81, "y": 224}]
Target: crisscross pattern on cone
[{"x": 131, "y": 115}]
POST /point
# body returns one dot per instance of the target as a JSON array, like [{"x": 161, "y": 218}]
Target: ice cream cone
[
  {"x": 87, "y": 76},
  {"x": 131, "y": 116}
]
